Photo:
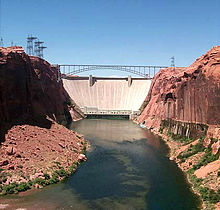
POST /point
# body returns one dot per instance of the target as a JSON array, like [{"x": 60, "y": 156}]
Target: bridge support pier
[
  {"x": 129, "y": 81},
  {"x": 91, "y": 81}
]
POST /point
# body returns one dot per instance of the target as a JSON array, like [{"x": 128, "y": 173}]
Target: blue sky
[{"x": 136, "y": 32}]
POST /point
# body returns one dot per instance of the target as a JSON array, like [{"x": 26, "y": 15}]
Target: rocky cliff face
[
  {"x": 31, "y": 89},
  {"x": 190, "y": 95},
  {"x": 32, "y": 143}
]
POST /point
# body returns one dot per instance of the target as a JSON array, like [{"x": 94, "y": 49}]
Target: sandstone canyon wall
[
  {"x": 31, "y": 89},
  {"x": 32, "y": 143},
  {"x": 188, "y": 96}
]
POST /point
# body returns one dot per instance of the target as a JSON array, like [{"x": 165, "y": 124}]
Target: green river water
[{"x": 127, "y": 169}]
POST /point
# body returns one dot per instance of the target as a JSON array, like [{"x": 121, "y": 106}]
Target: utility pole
[{"x": 172, "y": 61}]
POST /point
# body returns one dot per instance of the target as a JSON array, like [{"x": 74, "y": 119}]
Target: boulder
[
  {"x": 11, "y": 150},
  {"x": 82, "y": 157},
  {"x": 4, "y": 162}
]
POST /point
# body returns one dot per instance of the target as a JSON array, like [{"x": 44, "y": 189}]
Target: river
[{"x": 127, "y": 169}]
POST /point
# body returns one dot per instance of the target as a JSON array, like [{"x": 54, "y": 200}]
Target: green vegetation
[
  {"x": 178, "y": 138},
  {"x": 57, "y": 175},
  {"x": 40, "y": 181},
  {"x": 23, "y": 186},
  {"x": 73, "y": 167},
  {"x": 54, "y": 179},
  {"x": 46, "y": 176},
  {"x": 207, "y": 158},
  {"x": 193, "y": 149},
  {"x": 3, "y": 177},
  {"x": 62, "y": 173},
  {"x": 15, "y": 188},
  {"x": 83, "y": 151},
  {"x": 209, "y": 195}
]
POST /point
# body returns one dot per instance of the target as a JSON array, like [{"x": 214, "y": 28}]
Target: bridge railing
[
  {"x": 143, "y": 71},
  {"x": 96, "y": 111}
]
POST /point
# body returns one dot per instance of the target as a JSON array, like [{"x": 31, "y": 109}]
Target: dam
[{"x": 107, "y": 95}]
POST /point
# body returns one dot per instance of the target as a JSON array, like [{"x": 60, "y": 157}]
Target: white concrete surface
[{"x": 109, "y": 94}]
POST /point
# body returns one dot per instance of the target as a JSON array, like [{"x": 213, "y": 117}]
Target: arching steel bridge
[{"x": 143, "y": 71}]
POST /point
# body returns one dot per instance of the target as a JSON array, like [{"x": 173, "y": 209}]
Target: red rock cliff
[
  {"x": 189, "y": 94},
  {"x": 32, "y": 98},
  {"x": 30, "y": 89}
]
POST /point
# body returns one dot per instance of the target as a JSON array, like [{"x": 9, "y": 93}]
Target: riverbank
[
  {"x": 33, "y": 157},
  {"x": 182, "y": 107},
  {"x": 200, "y": 166}
]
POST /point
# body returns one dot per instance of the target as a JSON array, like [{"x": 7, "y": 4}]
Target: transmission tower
[
  {"x": 30, "y": 47},
  {"x": 41, "y": 49},
  {"x": 172, "y": 61},
  {"x": 37, "y": 48}
]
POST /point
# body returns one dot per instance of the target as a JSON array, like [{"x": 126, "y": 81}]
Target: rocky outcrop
[
  {"x": 189, "y": 94},
  {"x": 30, "y": 90},
  {"x": 35, "y": 149},
  {"x": 30, "y": 152}
]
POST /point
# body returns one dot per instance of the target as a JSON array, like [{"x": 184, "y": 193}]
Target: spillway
[{"x": 104, "y": 95}]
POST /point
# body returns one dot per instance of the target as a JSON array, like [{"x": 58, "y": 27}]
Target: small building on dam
[{"x": 102, "y": 96}]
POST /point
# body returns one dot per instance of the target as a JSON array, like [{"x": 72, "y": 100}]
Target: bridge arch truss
[{"x": 143, "y": 71}]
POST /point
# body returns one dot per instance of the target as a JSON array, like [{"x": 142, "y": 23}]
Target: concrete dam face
[{"x": 107, "y": 96}]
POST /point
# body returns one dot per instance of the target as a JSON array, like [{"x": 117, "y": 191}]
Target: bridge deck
[{"x": 143, "y": 71}]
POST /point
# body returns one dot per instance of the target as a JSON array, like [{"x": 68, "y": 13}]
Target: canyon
[{"x": 182, "y": 106}]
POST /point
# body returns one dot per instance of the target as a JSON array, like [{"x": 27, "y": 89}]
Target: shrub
[
  {"x": 207, "y": 158},
  {"x": 39, "y": 181},
  {"x": 196, "y": 181},
  {"x": 54, "y": 179},
  {"x": 46, "y": 176},
  {"x": 193, "y": 149},
  {"x": 72, "y": 168},
  {"x": 10, "y": 188},
  {"x": 15, "y": 188},
  {"x": 61, "y": 172},
  {"x": 30, "y": 183},
  {"x": 209, "y": 195},
  {"x": 23, "y": 186}
]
